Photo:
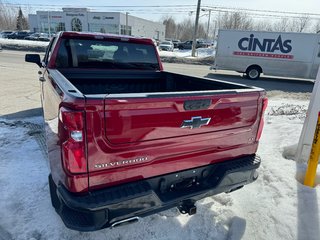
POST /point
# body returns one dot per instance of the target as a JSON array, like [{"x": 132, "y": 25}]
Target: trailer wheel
[{"x": 253, "y": 72}]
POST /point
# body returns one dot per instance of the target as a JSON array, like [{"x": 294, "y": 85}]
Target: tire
[{"x": 253, "y": 72}]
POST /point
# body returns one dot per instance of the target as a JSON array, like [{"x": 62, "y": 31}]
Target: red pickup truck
[{"x": 127, "y": 139}]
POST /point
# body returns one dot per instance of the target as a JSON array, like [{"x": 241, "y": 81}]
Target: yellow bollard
[{"x": 314, "y": 157}]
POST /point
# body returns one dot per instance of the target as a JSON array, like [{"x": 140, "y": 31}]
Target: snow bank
[
  {"x": 276, "y": 206},
  {"x": 204, "y": 56},
  {"x": 200, "y": 53},
  {"x": 23, "y": 45}
]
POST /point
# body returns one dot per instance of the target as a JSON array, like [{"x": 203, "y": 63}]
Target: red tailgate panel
[
  {"x": 136, "y": 119},
  {"x": 120, "y": 131}
]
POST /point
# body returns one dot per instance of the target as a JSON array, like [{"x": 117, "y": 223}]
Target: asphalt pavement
[
  {"x": 266, "y": 82},
  {"x": 19, "y": 91}
]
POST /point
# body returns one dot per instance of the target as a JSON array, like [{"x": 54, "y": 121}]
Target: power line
[
  {"x": 177, "y": 9},
  {"x": 261, "y": 10},
  {"x": 190, "y": 6},
  {"x": 261, "y": 15},
  {"x": 103, "y": 6}
]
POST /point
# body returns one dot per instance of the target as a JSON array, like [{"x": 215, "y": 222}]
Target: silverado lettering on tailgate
[{"x": 121, "y": 163}]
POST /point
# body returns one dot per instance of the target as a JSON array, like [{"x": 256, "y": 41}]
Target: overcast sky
[{"x": 300, "y": 6}]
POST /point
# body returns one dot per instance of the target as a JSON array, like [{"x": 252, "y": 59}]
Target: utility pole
[
  {"x": 49, "y": 25},
  {"x": 208, "y": 24},
  {"x": 126, "y": 31},
  {"x": 194, "y": 40},
  {"x": 219, "y": 20}
]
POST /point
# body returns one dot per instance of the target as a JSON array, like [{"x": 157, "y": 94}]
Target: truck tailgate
[
  {"x": 143, "y": 137},
  {"x": 135, "y": 120}
]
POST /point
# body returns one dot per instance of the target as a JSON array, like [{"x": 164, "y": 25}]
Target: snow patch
[
  {"x": 200, "y": 53},
  {"x": 280, "y": 95},
  {"x": 5, "y": 41},
  {"x": 300, "y": 176},
  {"x": 25, "y": 45},
  {"x": 237, "y": 228},
  {"x": 289, "y": 152},
  {"x": 292, "y": 110}
]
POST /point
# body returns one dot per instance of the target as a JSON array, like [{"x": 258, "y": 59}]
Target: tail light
[
  {"x": 72, "y": 136},
  {"x": 261, "y": 124}
]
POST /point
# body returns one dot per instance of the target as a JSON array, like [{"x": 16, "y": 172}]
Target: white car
[{"x": 166, "y": 46}]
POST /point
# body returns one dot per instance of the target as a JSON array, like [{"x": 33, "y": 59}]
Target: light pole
[
  {"x": 215, "y": 29},
  {"x": 208, "y": 27},
  {"x": 194, "y": 40}
]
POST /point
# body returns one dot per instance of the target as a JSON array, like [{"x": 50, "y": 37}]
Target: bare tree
[
  {"x": 7, "y": 16},
  {"x": 282, "y": 25},
  {"x": 185, "y": 28},
  {"x": 316, "y": 27},
  {"x": 262, "y": 26},
  {"x": 239, "y": 20},
  {"x": 236, "y": 20},
  {"x": 303, "y": 23},
  {"x": 300, "y": 24},
  {"x": 202, "y": 33},
  {"x": 171, "y": 27}
]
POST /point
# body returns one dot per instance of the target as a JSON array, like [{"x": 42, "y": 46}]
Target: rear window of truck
[{"x": 84, "y": 53}]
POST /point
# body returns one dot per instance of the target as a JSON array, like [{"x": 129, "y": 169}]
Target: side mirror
[{"x": 33, "y": 58}]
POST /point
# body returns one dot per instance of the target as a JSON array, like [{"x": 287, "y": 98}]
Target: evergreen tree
[{"x": 22, "y": 23}]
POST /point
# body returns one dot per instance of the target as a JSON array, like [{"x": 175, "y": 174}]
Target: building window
[
  {"x": 45, "y": 27},
  {"x": 54, "y": 27},
  {"x": 60, "y": 27},
  {"x": 76, "y": 25},
  {"x": 123, "y": 30},
  {"x": 104, "y": 28}
]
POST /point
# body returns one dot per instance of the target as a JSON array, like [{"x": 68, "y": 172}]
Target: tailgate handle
[{"x": 197, "y": 104}]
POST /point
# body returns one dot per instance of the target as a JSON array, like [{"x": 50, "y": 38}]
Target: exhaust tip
[
  {"x": 125, "y": 222},
  {"x": 255, "y": 175}
]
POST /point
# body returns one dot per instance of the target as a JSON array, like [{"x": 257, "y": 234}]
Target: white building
[{"x": 82, "y": 20}]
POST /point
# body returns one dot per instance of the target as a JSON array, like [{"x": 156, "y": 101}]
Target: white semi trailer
[{"x": 271, "y": 53}]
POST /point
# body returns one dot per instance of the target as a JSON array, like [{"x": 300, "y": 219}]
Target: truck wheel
[{"x": 253, "y": 72}]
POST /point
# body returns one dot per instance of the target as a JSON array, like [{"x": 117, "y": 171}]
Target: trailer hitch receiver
[{"x": 187, "y": 207}]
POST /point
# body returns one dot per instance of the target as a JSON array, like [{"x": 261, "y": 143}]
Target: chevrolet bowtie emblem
[{"x": 195, "y": 122}]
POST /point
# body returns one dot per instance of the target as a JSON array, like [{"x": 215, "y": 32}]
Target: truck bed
[
  {"x": 118, "y": 82},
  {"x": 136, "y": 119}
]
